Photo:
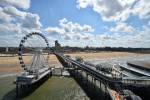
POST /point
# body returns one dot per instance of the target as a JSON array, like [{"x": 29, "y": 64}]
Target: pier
[{"x": 116, "y": 82}]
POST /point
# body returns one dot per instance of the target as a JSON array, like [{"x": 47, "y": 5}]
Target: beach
[{"x": 11, "y": 64}]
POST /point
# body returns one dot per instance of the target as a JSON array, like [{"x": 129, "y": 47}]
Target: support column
[
  {"x": 94, "y": 83},
  {"x": 92, "y": 79},
  {"x": 77, "y": 73},
  {"x": 81, "y": 75},
  {"x": 17, "y": 89},
  {"x": 61, "y": 71},
  {"x": 105, "y": 91},
  {"x": 86, "y": 78},
  {"x": 100, "y": 84}
]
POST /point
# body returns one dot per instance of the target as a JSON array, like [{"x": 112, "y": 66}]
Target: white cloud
[
  {"x": 140, "y": 38},
  {"x": 142, "y": 9},
  {"x": 27, "y": 19},
  {"x": 55, "y": 31},
  {"x": 31, "y": 21},
  {"x": 74, "y": 27},
  {"x": 105, "y": 37},
  {"x": 83, "y": 3},
  {"x": 117, "y": 10},
  {"x": 25, "y": 4},
  {"x": 12, "y": 11},
  {"x": 122, "y": 27},
  {"x": 15, "y": 22},
  {"x": 108, "y": 9},
  {"x": 127, "y": 36},
  {"x": 7, "y": 28},
  {"x": 69, "y": 30},
  {"x": 87, "y": 36},
  {"x": 4, "y": 17}
]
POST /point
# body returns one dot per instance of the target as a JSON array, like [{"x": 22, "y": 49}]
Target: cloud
[
  {"x": 27, "y": 19},
  {"x": 141, "y": 8},
  {"x": 69, "y": 30},
  {"x": 122, "y": 28},
  {"x": 25, "y": 4},
  {"x": 108, "y": 9},
  {"x": 117, "y": 10},
  {"x": 31, "y": 21},
  {"x": 4, "y": 17},
  {"x": 54, "y": 31},
  {"x": 140, "y": 38},
  {"x": 74, "y": 27},
  {"x": 16, "y": 22},
  {"x": 105, "y": 37},
  {"x": 7, "y": 28},
  {"x": 12, "y": 11}
]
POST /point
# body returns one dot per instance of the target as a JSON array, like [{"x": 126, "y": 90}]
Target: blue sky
[
  {"x": 119, "y": 23},
  {"x": 52, "y": 11}
]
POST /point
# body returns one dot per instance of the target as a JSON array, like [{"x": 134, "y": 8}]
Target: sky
[{"x": 94, "y": 23}]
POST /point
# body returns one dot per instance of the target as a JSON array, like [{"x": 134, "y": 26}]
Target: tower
[{"x": 57, "y": 45}]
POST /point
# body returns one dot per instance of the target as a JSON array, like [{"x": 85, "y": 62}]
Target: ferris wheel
[{"x": 33, "y": 53}]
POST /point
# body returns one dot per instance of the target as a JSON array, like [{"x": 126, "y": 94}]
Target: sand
[
  {"x": 11, "y": 64},
  {"x": 101, "y": 55}
]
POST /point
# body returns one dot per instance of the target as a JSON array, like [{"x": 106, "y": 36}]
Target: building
[{"x": 57, "y": 46}]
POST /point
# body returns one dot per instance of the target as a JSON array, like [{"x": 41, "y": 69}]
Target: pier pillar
[
  {"x": 92, "y": 79},
  {"x": 100, "y": 84},
  {"x": 77, "y": 73},
  {"x": 86, "y": 78},
  {"x": 17, "y": 90},
  {"x": 61, "y": 71},
  {"x": 94, "y": 83},
  {"x": 81, "y": 74},
  {"x": 105, "y": 90}
]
